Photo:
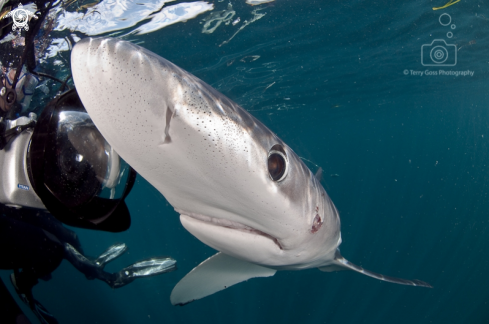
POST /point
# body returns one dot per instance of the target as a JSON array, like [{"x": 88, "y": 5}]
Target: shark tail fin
[{"x": 340, "y": 263}]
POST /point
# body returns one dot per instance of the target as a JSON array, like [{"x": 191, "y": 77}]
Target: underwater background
[{"x": 405, "y": 160}]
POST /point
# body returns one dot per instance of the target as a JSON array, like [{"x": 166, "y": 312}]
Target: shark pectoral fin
[
  {"x": 340, "y": 263},
  {"x": 218, "y": 272}
]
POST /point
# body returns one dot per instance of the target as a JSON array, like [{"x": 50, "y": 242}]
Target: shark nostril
[{"x": 316, "y": 224}]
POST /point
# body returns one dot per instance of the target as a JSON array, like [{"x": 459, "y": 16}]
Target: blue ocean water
[{"x": 404, "y": 158}]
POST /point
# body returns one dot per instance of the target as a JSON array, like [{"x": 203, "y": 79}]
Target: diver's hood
[{"x": 80, "y": 179}]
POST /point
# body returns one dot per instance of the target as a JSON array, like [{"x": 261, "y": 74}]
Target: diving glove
[
  {"x": 112, "y": 253},
  {"x": 145, "y": 268}
]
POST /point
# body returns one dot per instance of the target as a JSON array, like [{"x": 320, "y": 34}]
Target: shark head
[
  {"x": 237, "y": 187},
  {"x": 286, "y": 224}
]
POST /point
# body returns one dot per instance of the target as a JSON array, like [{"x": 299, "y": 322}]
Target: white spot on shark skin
[{"x": 215, "y": 171}]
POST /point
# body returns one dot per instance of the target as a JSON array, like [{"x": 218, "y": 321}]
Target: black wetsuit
[
  {"x": 33, "y": 243},
  {"x": 36, "y": 242},
  {"x": 31, "y": 240}
]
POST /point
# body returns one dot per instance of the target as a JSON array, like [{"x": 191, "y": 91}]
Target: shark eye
[
  {"x": 277, "y": 163},
  {"x": 316, "y": 224}
]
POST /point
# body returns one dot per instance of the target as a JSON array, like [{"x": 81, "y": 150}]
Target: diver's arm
[
  {"x": 88, "y": 267},
  {"x": 93, "y": 269}
]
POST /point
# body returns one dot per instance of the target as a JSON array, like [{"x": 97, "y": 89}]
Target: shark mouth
[{"x": 229, "y": 224}]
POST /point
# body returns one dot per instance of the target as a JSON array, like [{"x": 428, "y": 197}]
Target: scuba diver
[{"x": 56, "y": 169}]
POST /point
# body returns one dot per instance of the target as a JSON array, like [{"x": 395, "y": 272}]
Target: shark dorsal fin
[
  {"x": 319, "y": 174},
  {"x": 218, "y": 272},
  {"x": 340, "y": 263}
]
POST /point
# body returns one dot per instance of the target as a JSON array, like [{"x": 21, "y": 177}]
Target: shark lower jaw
[
  {"x": 231, "y": 237},
  {"x": 228, "y": 224}
]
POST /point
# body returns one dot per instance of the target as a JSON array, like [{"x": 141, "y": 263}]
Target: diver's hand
[
  {"x": 113, "y": 252},
  {"x": 145, "y": 268}
]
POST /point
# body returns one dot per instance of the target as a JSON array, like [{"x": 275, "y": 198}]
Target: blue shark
[{"x": 235, "y": 184}]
